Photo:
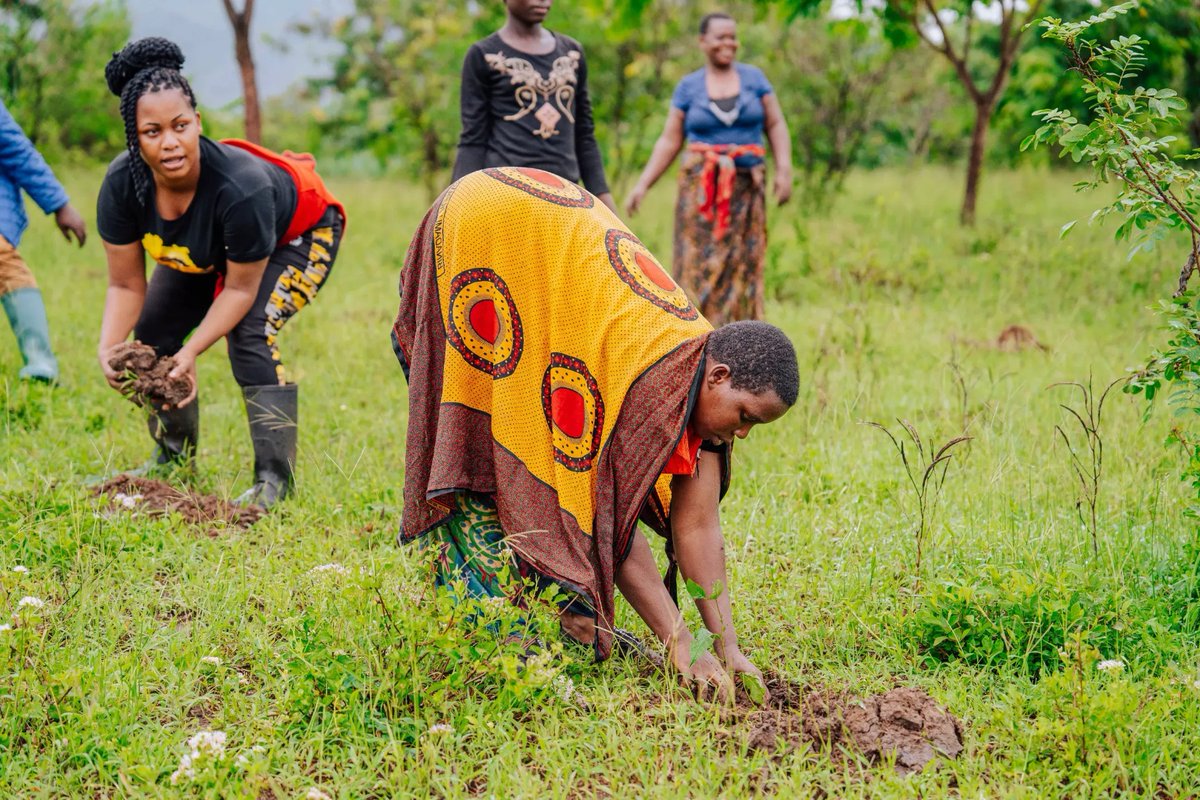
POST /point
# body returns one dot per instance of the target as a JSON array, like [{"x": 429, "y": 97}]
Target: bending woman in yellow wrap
[{"x": 562, "y": 387}]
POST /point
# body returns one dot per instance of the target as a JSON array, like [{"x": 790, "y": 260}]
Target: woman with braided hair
[{"x": 243, "y": 239}]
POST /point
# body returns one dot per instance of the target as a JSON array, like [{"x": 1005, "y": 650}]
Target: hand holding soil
[
  {"x": 738, "y": 666},
  {"x": 145, "y": 378},
  {"x": 705, "y": 677}
]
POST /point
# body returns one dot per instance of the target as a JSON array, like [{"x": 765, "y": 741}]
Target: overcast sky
[{"x": 201, "y": 28}]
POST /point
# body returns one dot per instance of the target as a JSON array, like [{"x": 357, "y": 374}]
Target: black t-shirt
[
  {"x": 526, "y": 110},
  {"x": 242, "y": 208}
]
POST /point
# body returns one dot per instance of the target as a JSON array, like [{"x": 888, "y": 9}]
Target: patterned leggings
[
  {"x": 471, "y": 548},
  {"x": 176, "y": 302}
]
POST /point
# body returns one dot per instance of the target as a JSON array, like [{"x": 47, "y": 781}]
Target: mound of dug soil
[
  {"x": 148, "y": 374},
  {"x": 1018, "y": 337},
  {"x": 905, "y": 724},
  {"x": 158, "y": 498}
]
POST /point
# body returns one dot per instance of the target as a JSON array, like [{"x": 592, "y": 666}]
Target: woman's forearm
[
  {"x": 122, "y": 307},
  {"x": 701, "y": 556},
  {"x": 227, "y": 311},
  {"x": 642, "y": 587},
  {"x": 664, "y": 153},
  {"x": 781, "y": 146}
]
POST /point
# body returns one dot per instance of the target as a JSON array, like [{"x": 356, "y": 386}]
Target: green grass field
[{"x": 153, "y": 631}]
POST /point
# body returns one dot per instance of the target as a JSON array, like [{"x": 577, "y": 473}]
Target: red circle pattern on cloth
[
  {"x": 640, "y": 270},
  {"x": 484, "y": 326},
  {"x": 543, "y": 185},
  {"x": 574, "y": 410}
]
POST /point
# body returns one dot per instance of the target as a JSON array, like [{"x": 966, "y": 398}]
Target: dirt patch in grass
[
  {"x": 905, "y": 724},
  {"x": 145, "y": 495},
  {"x": 148, "y": 375},
  {"x": 1018, "y": 337}
]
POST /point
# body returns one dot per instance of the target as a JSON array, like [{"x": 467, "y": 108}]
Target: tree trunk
[
  {"x": 983, "y": 118},
  {"x": 432, "y": 161},
  {"x": 241, "y": 46}
]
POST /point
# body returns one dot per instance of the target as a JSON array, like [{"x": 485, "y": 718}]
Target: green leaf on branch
[
  {"x": 754, "y": 687},
  {"x": 697, "y": 592},
  {"x": 701, "y": 641}
]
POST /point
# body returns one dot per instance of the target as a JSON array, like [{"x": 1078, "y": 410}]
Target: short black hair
[
  {"x": 145, "y": 65},
  {"x": 759, "y": 357},
  {"x": 707, "y": 18}
]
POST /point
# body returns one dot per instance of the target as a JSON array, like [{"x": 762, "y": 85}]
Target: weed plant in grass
[{"x": 314, "y": 644}]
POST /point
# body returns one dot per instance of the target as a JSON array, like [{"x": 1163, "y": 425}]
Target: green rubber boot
[{"x": 27, "y": 315}]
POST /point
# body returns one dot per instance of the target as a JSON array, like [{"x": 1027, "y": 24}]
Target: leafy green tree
[
  {"x": 394, "y": 88},
  {"x": 633, "y": 66},
  {"x": 1043, "y": 77},
  {"x": 1127, "y": 141},
  {"x": 52, "y": 57},
  {"x": 843, "y": 88}
]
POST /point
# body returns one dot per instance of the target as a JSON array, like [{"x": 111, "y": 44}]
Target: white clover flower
[
  {"x": 21, "y": 569},
  {"x": 334, "y": 569},
  {"x": 247, "y": 757},
  {"x": 314, "y": 793},
  {"x": 127, "y": 500},
  {"x": 1196, "y": 685},
  {"x": 29, "y": 601},
  {"x": 208, "y": 743},
  {"x": 5, "y": 627},
  {"x": 441, "y": 728},
  {"x": 565, "y": 688},
  {"x": 214, "y": 660},
  {"x": 185, "y": 771},
  {"x": 1111, "y": 665}
]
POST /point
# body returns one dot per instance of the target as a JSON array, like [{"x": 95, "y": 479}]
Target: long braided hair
[{"x": 146, "y": 65}]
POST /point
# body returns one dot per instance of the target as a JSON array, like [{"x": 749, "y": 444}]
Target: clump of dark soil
[
  {"x": 158, "y": 499},
  {"x": 903, "y": 724},
  {"x": 1018, "y": 337},
  {"x": 148, "y": 375}
]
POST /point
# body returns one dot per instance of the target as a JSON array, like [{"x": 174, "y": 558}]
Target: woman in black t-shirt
[{"x": 243, "y": 239}]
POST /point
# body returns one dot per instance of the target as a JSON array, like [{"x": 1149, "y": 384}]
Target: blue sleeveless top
[{"x": 701, "y": 123}]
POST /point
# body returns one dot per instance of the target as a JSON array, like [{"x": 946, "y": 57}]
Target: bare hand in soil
[
  {"x": 133, "y": 369},
  {"x": 707, "y": 680},
  {"x": 737, "y": 664}
]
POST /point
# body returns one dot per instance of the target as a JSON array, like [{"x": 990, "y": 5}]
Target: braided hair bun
[
  {"x": 146, "y": 65},
  {"x": 153, "y": 51}
]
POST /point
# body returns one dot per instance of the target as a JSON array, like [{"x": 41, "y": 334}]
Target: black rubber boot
[
  {"x": 272, "y": 411},
  {"x": 175, "y": 434}
]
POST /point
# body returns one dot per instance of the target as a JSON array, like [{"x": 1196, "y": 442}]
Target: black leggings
[{"x": 176, "y": 302}]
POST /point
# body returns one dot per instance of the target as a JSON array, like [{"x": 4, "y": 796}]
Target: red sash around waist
[{"x": 716, "y": 178}]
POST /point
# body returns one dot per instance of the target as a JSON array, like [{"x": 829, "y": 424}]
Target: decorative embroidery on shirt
[{"x": 556, "y": 91}]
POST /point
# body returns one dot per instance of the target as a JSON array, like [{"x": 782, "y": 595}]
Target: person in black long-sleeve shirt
[{"x": 525, "y": 103}]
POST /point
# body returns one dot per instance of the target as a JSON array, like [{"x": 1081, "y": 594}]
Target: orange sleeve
[{"x": 683, "y": 460}]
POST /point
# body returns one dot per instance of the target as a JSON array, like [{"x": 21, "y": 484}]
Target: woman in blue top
[{"x": 724, "y": 108}]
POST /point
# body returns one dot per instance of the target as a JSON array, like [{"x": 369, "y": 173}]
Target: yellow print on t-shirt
[{"x": 175, "y": 256}]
